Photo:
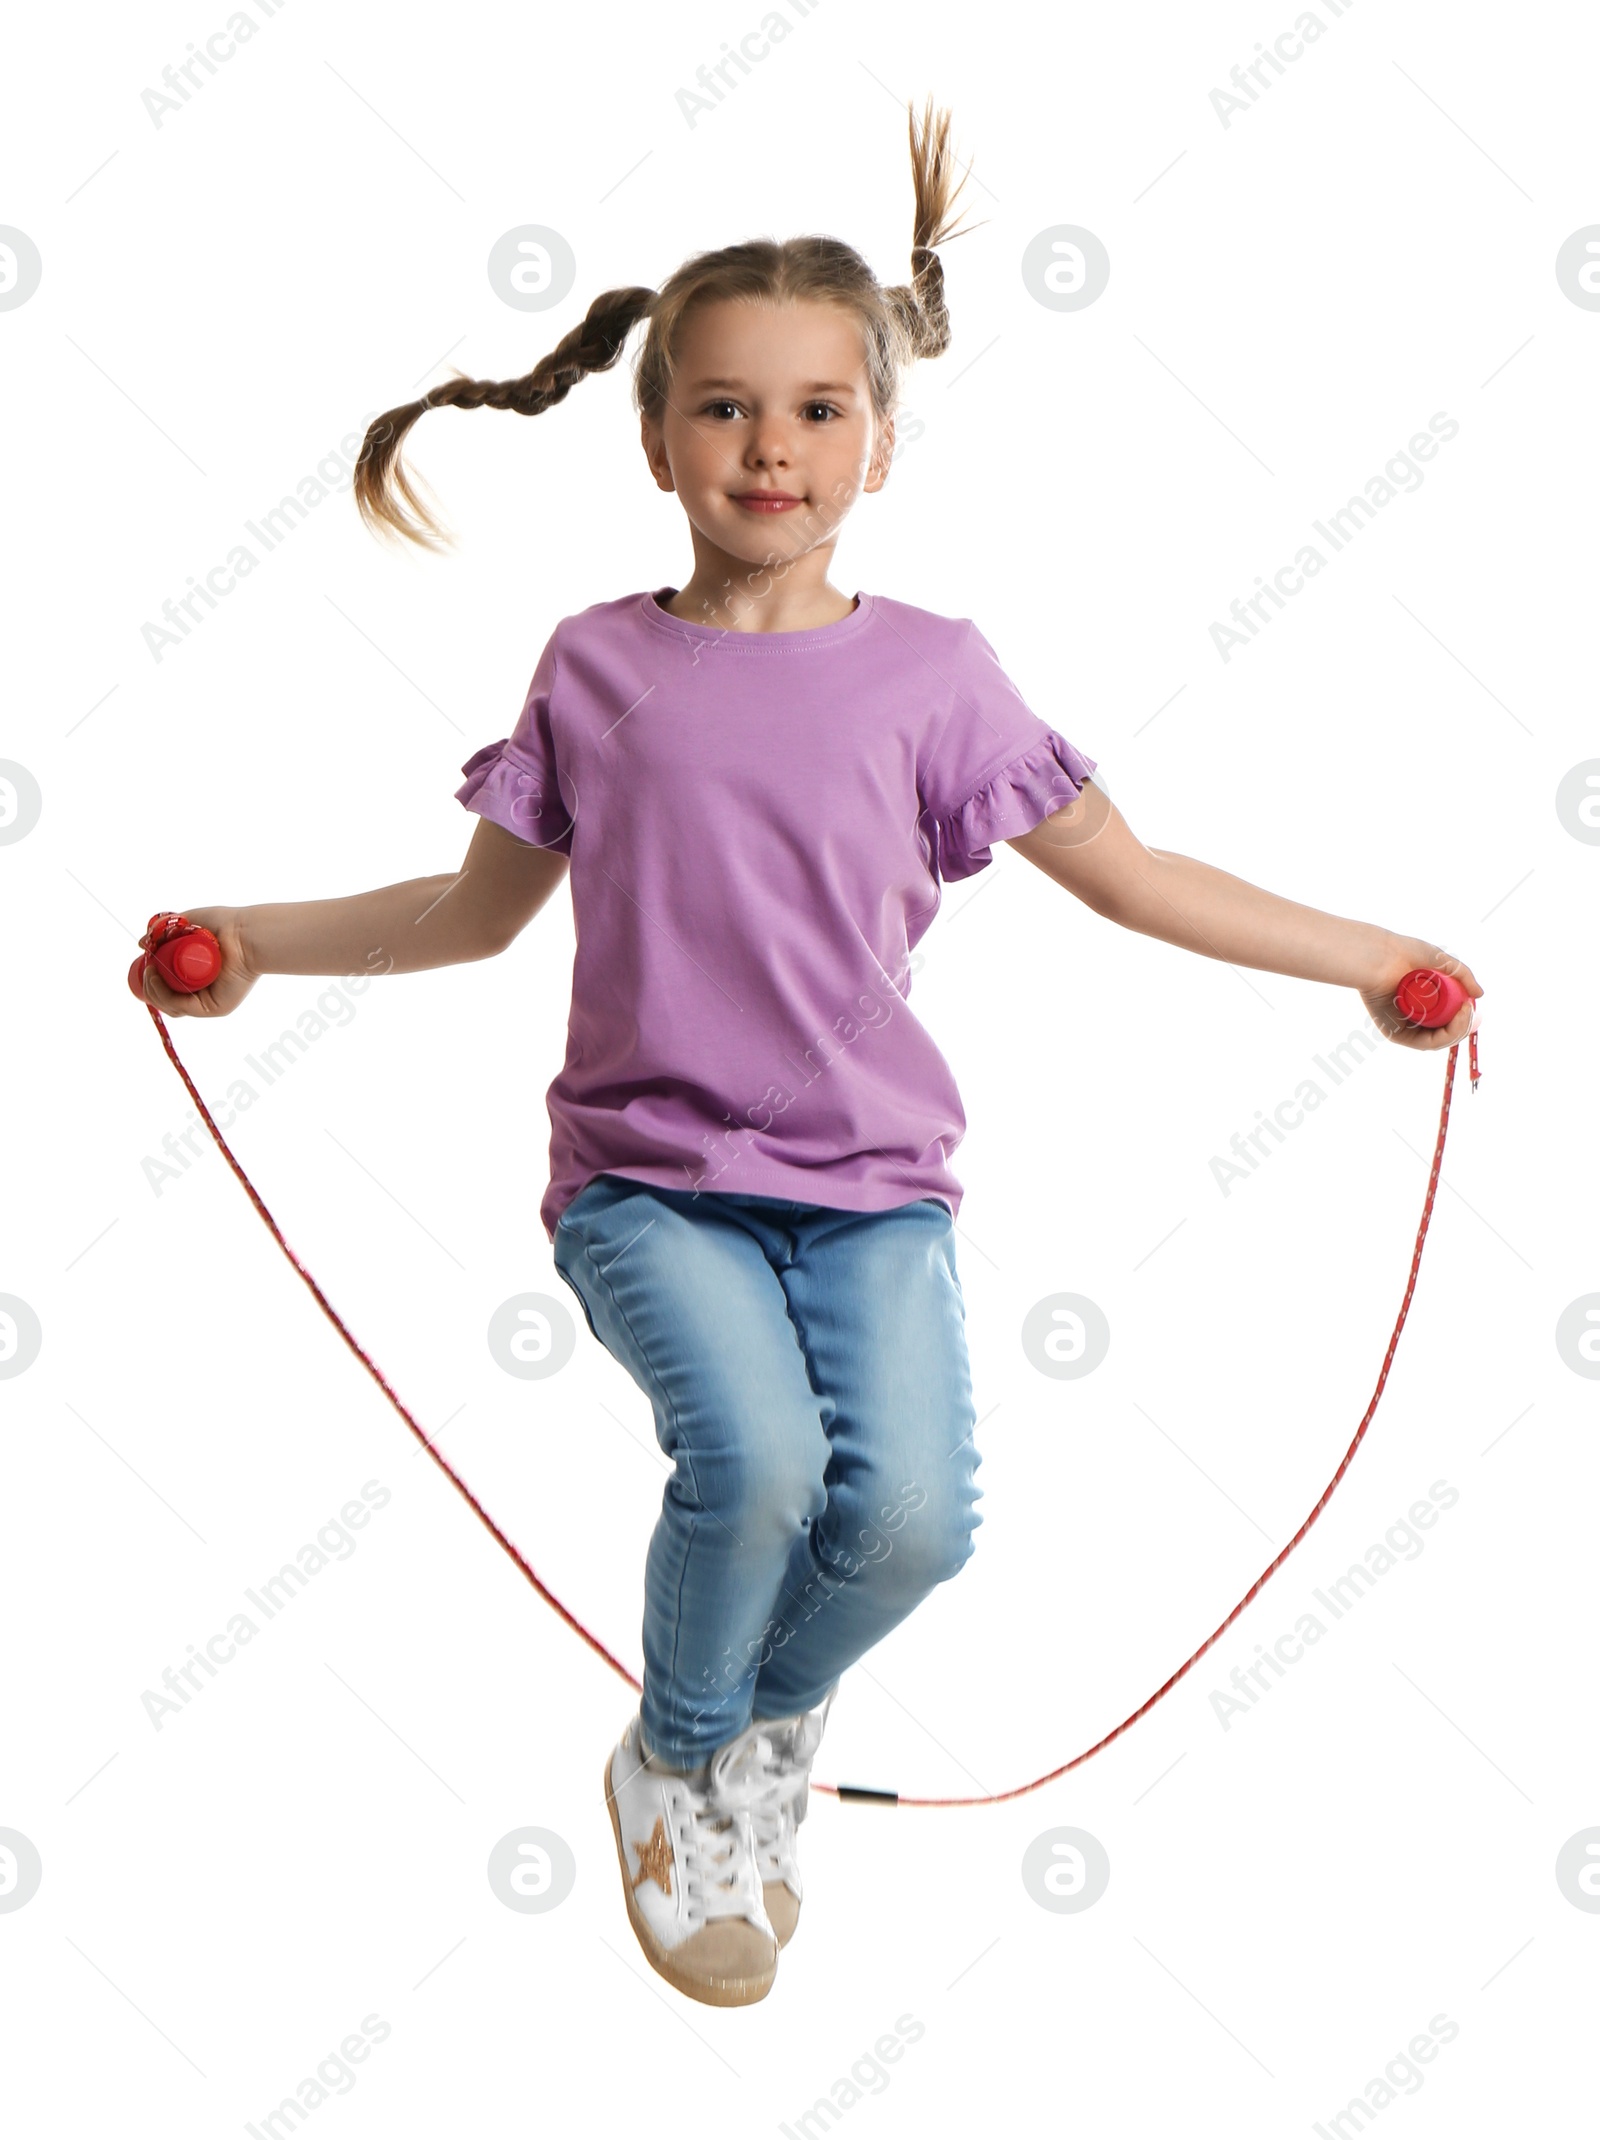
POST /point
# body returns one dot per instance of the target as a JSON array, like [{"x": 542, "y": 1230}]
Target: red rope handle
[{"x": 847, "y": 1791}]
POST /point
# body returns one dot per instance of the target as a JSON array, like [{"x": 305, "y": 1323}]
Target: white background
[{"x": 1292, "y": 296}]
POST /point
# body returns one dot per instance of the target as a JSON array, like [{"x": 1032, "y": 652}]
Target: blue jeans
[{"x": 808, "y": 1371}]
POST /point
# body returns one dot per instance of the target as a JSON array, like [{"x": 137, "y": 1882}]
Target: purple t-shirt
[{"x": 758, "y": 825}]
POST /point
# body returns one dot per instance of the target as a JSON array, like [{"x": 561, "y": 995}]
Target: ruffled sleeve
[
  {"x": 1025, "y": 791},
  {"x": 516, "y": 781},
  {"x": 504, "y": 785},
  {"x": 995, "y": 769}
]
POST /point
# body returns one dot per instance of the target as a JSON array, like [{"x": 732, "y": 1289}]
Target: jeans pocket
[
  {"x": 582, "y": 1303},
  {"x": 569, "y": 1242},
  {"x": 585, "y": 1196}
]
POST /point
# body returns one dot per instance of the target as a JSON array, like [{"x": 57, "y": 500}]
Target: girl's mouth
[{"x": 766, "y": 501}]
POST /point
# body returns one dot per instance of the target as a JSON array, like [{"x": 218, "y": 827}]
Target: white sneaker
[
  {"x": 686, "y": 1849},
  {"x": 780, "y": 1809}
]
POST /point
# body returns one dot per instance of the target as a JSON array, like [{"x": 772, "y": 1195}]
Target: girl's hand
[
  {"x": 1410, "y": 953},
  {"x": 232, "y": 984}
]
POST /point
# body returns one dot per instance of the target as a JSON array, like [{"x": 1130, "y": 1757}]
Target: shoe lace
[
  {"x": 776, "y": 1809},
  {"x": 715, "y": 1827}
]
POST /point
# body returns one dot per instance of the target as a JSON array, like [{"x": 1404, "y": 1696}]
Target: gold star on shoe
[{"x": 655, "y": 1858}]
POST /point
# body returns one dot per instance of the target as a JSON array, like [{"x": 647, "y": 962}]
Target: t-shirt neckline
[{"x": 817, "y": 635}]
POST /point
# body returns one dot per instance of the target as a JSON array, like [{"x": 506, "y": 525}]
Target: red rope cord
[
  {"x": 989, "y": 1798},
  {"x": 331, "y": 1312}
]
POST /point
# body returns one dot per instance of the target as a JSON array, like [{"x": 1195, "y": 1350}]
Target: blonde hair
[{"x": 899, "y": 323}]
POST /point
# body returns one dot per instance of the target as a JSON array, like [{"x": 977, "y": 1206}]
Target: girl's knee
[
  {"x": 919, "y": 1540},
  {"x": 937, "y": 1537},
  {"x": 758, "y": 1491},
  {"x": 940, "y": 1552}
]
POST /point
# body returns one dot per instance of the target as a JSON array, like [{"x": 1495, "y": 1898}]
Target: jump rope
[{"x": 189, "y": 959}]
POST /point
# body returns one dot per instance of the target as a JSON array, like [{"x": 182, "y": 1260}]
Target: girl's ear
[
  {"x": 655, "y": 452},
  {"x": 882, "y": 455}
]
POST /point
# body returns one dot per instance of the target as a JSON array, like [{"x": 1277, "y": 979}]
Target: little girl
[{"x": 759, "y": 786}]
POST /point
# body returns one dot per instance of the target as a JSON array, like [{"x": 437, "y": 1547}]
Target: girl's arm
[
  {"x": 1089, "y": 849},
  {"x": 470, "y": 913}
]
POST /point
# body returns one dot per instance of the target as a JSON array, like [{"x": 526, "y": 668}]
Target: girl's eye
[{"x": 713, "y": 407}]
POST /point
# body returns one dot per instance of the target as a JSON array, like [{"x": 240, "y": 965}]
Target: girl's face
[{"x": 770, "y": 401}]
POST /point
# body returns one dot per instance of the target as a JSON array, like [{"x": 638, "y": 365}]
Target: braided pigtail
[
  {"x": 919, "y": 306},
  {"x": 381, "y": 479}
]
